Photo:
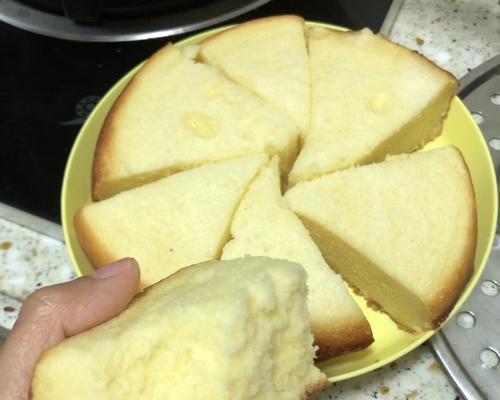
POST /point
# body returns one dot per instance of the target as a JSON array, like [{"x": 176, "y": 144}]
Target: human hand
[{"x": 55, "y": 313}]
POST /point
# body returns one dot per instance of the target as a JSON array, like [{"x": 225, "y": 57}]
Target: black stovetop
[{"x": 50, "y": 85}]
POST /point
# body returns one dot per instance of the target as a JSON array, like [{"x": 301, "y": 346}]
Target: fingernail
[{"x": 112, "y": 269}]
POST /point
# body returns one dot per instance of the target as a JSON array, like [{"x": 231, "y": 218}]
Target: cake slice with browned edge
[
  {"x": 403, "y": 231},
  {"x": 269, "y": 57},
  {"x": 264, "y": 226},
  {"x": 231, "y": 330},
  {"x": 177, "y": 114},
  {"x": 168, "y": 224},
  {"x": 369, "y": 98}
]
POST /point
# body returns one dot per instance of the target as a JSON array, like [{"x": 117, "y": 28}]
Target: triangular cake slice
[
  {"x": 168, "y": 224},
  {"x": 402, "y": 231},
  {"x": 220, "y": 330},
  {"x": 177, "y": 114},
  {"x": 264, "y": 226},
  {"x": 369, "y": 98},
  {"x": 269, "y": 57}
]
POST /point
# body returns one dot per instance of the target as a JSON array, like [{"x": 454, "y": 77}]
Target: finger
[{"x": 57, "y": 312}]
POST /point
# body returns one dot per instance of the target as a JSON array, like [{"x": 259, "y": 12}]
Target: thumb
[{"x": 57, "y": 312}]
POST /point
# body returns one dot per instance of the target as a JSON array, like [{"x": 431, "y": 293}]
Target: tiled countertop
[
  {"x": 28, "y": 261},
  {"x": 457, "y": 35}
]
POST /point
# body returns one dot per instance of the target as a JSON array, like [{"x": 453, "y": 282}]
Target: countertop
[{"x": 458, "y": 36}]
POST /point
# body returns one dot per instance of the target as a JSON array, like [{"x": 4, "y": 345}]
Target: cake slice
[
  {"x": 177, "y": 221},
  {"x": 403, "y": 232},
  {"x": 231, "y": 330},
  {"x": 177, "y": 114},
  {"x": 264, "y": 226},
  {"x": 370, "y": 97},
  {"x": 269, "y": 57}
]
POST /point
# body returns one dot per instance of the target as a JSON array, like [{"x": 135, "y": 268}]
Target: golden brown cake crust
[
  {"x": 102, "y": 152},
  {"x": 103, "y": 156},
  {"x": 95, "y": 251},
  {"x": 445, "y": 300},
  {"x": 352, "y": 337},
  {"x": 104, "y": 146}
]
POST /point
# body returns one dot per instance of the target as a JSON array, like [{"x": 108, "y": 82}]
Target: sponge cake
[
  {"x": 403, "y": 231},
  {"x": 168, "y": 224},
  {"x": 264, "y": 226},
  {"x": 221, "y": 330},
  {"x": 369, "y": 98},
  {"x": 177, "y": 114},
  {"x": 269, "y": 57}
]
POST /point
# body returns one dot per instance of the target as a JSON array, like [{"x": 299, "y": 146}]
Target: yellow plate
[{"x": 391, "y": 343}]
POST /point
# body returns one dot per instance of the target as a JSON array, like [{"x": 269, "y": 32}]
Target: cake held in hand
[
  {"x": 177, "y": 221},
  {"x": 403, "y": 231},
  {"x": 269, "y": 57},
  {"x": 230, "y": 330},
  {"x": 177, "y": 114},
  {"x": 369, "y": 98},
  {"x": 264, "y": 226}
]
